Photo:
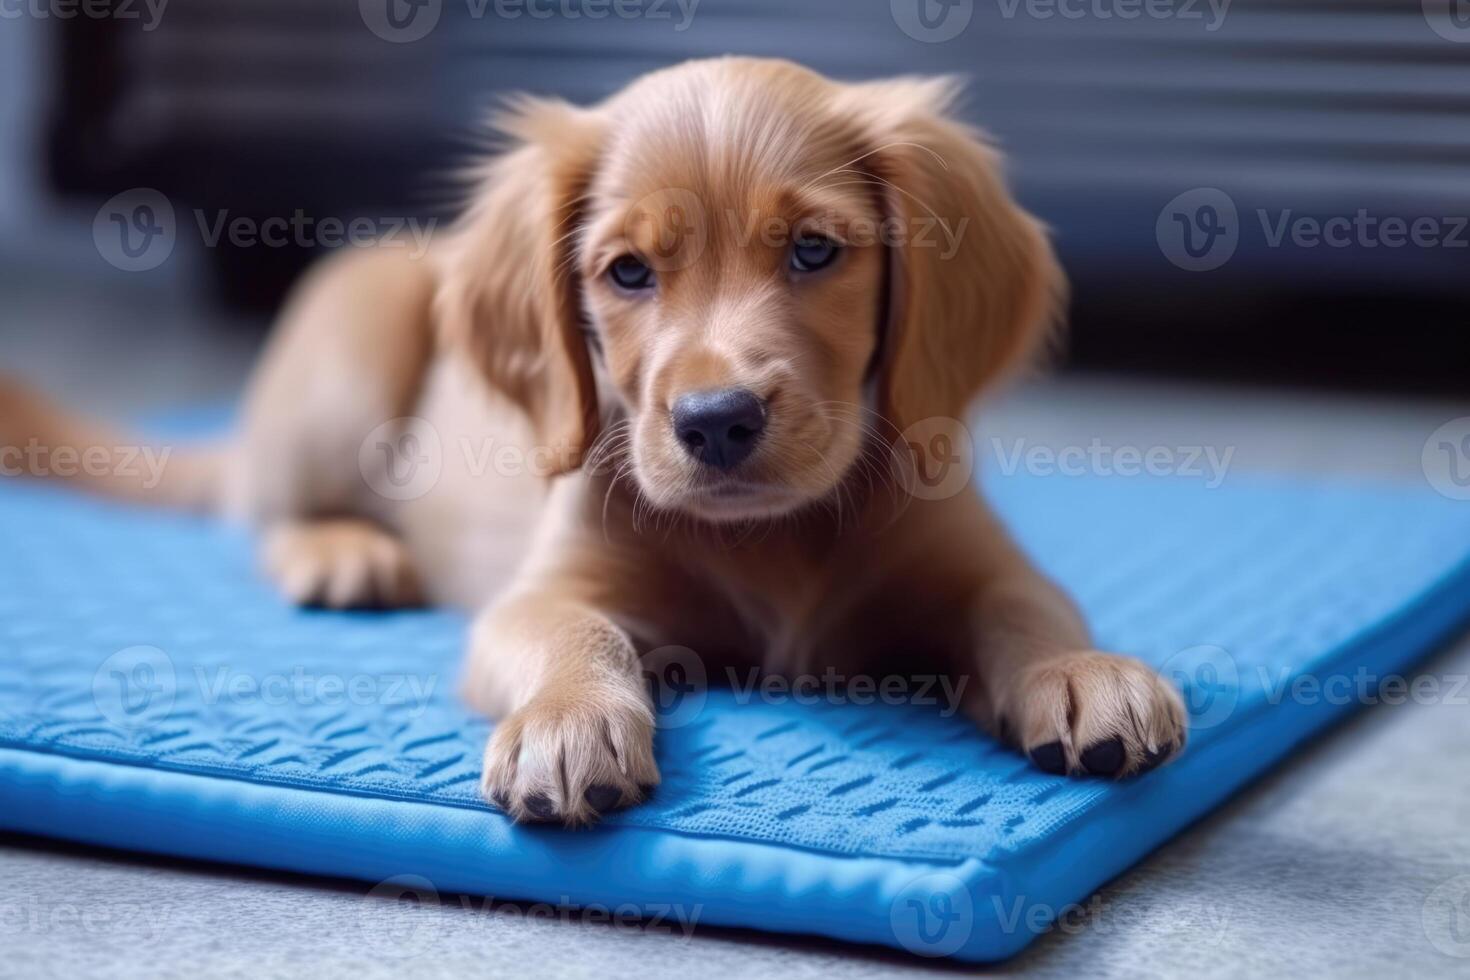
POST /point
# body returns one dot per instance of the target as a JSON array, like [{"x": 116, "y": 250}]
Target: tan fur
[
  {"x": 188, "y": 478},
  {"x": 810, "y": 554},
  {"x": 341, "y": 564}
]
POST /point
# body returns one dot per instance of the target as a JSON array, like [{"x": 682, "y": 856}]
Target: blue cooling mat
[{"x": 155, "y": 695}]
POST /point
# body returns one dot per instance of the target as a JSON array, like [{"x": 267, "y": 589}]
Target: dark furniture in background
[{"x": 1293, "y": 108}]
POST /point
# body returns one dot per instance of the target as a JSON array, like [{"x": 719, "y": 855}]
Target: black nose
[{"x": 719, "y": 427}]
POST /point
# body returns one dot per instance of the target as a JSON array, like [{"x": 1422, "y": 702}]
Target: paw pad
[
  {"x": 1105, "y": 758},
  {"x": 602, "y": 798},
  {"x": 1050, "y": 758}
]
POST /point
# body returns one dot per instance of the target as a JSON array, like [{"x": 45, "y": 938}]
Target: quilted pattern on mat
[{"x": 147, "y": 639}]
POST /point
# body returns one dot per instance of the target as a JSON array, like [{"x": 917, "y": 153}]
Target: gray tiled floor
[{"x": 1322, "y": 869}]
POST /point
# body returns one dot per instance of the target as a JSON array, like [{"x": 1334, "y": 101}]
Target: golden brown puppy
[{"x": 708, "y": 309}]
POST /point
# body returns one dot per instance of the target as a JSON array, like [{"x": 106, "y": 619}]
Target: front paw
[
  {"x": 571, "y": 757},
  {"x": 342, "y": 564},
  {"x": 1093, "y": 714}
]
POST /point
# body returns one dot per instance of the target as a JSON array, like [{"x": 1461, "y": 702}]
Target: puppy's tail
[{"x": 40, "y": 439}]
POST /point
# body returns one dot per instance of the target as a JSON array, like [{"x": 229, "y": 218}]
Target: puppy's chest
[{"x": 798, "y": 614}]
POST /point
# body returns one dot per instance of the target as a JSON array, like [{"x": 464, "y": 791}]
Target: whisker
[{"x": 887, "y": 146}]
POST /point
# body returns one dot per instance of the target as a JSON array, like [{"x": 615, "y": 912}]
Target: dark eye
[
  {"x": 629, "y": 272},
  {"x": 812, "y": 253}
]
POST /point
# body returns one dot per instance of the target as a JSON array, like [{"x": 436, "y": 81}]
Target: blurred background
[{"x": 1271, "y": 191}]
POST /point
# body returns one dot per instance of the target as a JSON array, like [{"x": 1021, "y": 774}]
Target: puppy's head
[{"x": 767, "y": 269}]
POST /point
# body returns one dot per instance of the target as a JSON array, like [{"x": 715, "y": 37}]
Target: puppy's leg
[
  {"x": 349, "y": 355},
  {"x": 1070, "y": 708},
  {"x": 575, "y": 738},
  {"x": 341, "y": 564}
]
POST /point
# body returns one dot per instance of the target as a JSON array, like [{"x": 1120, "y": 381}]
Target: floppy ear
[
  {"x": 507, "y": 294},
  {"x": 974, "y": 288}
]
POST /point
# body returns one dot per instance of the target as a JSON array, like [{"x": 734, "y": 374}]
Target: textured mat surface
[{"x": 155, "y": 695}]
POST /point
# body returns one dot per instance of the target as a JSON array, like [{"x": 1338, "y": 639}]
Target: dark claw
[
  {"x": 1105, "y": 758},
  {"x": 1050, "y": 758},
  {"x": 1003, "y": 730},
  {"x": 501, "y": 800},
  {"x": 602, "y": 798},
  {"x": 540, "y": 806},
  {"x": 648, "y": 789}
]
